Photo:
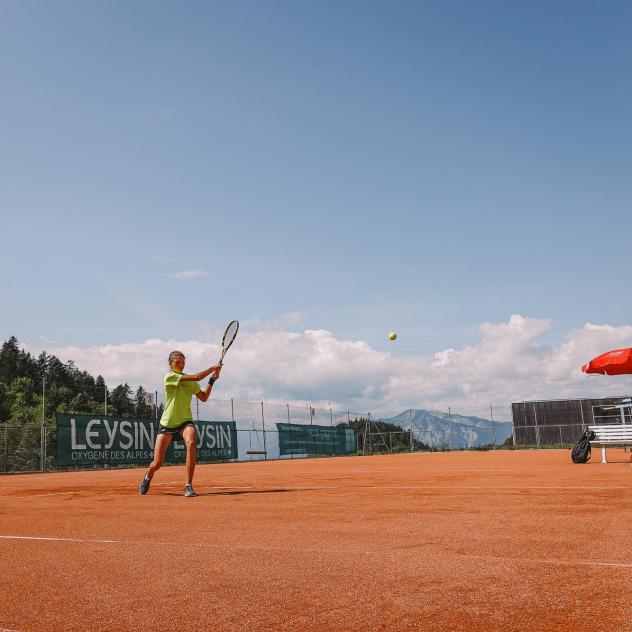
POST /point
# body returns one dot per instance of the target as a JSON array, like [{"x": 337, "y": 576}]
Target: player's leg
[
  {"x": 160, "y": 451},
  {"x": 189, "y": 435}
]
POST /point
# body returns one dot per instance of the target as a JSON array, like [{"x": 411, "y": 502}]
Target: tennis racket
[{"x": 229, "y": 337}]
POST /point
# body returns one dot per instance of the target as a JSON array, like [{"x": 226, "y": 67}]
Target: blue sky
[{"x": 419, "y": 166}]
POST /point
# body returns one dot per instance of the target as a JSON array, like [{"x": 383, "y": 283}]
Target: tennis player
[{"x": 177, "y": 420}]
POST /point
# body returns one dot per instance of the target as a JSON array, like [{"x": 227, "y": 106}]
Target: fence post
[
  {"x": 537, "y": 428},
  {"x": 331, "y": 425},
  {"x": 289, "y": 423},
  {"x": 105, "y": 400},
  {"x": 450, "y": 429},
  {"x": 252, "y": 430},
  {"x": 263, "y": 423},
  {"x": 42, "y": 436},
  {"x": 581, "y": 410},
  {"x": 491, "y": 416},
  {"x": 366, "y": 435},
  {"x": 561, "y": 444}
]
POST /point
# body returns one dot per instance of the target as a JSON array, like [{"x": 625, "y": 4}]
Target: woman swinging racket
[{"x": 177, "y": 420}]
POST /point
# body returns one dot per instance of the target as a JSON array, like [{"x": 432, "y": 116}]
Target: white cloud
[
  {"x": 290, "y": 318},
  {"x": 188, "y": 274},
  {"x": 509, "y": 363}
]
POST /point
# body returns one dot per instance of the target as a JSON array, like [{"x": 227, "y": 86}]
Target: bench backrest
[{"x": 612, "y": 432}]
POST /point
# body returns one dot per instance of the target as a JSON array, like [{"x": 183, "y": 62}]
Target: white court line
[
  {"x": 219, "y": 487},
  {"x": 494, "y": 558},
  {"x": 51, "y": 539},
  {"x": 548, "y": 561},
  {"x": 432, "y": 486},
  {"x": 427, "y": 488},
  {"x": 479, "y": 469},
  {"x": 312, "y": 488},
  {"x": 52, "y": 494},
  {"x": 77, "y": 492},
  {"x": 255, "y": 475},
  {"x": 196, "y": 545}
]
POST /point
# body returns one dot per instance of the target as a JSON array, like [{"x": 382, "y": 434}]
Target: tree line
[
  {"x": 381, "y": 437},
  {"x": 34, "y": 386},
  {"x": 24, "y": 379}
]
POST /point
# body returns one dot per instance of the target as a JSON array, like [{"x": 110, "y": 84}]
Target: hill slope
[{"x": 456, "y": 431}]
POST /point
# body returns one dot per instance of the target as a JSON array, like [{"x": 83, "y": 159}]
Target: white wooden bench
[{"x": 611, "y": 435}]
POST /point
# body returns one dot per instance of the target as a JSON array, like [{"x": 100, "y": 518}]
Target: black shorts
[{"x": 176, "y": 431}]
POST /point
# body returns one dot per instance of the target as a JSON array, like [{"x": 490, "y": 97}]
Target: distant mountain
[{"x": 455, "y": 431}]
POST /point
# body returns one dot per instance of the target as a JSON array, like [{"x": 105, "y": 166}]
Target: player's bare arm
[
  {"x": 196, "y": 377},
  {"x": 206, "y": 393}
]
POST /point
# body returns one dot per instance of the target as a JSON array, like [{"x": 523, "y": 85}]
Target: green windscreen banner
[
  {"x": 110, "y": 440},
  {"x": 299, "y": 439}
]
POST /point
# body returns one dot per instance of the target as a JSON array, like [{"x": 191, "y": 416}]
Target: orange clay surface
[{"x": 444, "y": 541}]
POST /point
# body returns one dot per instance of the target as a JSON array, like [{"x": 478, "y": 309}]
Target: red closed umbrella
[{"x": 616, "y": 362}]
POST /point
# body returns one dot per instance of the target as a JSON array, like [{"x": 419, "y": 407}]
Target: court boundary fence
[{"x": 32, "y": 446}]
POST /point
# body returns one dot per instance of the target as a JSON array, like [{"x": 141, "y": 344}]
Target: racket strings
[{"x": 229, "y": 335}]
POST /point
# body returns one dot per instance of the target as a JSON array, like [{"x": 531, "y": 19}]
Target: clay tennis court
[{"x": 443, "y": 541}]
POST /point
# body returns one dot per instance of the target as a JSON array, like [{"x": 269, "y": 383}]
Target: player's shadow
[{"x": 239, "y": 492}]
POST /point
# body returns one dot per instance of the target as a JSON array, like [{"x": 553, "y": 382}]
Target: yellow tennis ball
[{"x": 392, "y": 336}]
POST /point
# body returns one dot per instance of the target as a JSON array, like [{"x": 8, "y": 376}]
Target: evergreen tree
[
  {"x": 22, "y": 393},
  {"x": 141, "y": 409},
  {"x": 100, "y": 390},
  {"x": 121, "y": 401},
  {"x": 5, "y": 403},
  {"x": 42, "y": 365},
  {"x": 27, "y": 366},
  {"x": 57, "y": 374},
  {"x": 9, "y": 356}
]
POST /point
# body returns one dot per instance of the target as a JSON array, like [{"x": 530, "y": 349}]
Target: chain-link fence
[
  {"x": 261, "y": 426},
  {"x": 560, "y": 423},
  {"x": 278, "y": 431},
  {"x": 466, "y": 428},
  {"x": 558, "y": 435},
  {"x": 21, "y": 448},
  {"x": 270, "y": 430},
  {"x": 263, "y": 431}
]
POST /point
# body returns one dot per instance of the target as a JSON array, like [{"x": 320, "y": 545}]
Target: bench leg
[{"x": 603, "y": 455}]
